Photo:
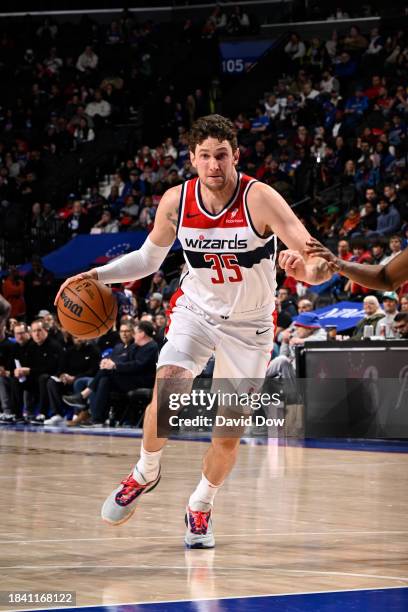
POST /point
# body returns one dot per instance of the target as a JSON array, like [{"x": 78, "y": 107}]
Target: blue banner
[
  {"x": 87, "y": 251},
  {"x": 344, "y": 315}
]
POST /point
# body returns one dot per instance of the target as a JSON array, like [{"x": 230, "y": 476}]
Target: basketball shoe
[
  {"x": 122, "y": 502},
  {"x": 199, "y": 532}
]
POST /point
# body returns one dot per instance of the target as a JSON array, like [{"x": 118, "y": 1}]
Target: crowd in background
[{"x": 330, "y": 135}]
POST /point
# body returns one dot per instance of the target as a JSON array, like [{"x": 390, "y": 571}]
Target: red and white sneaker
[
  {"x": 121, "y": 503},
  {"x": 199, "y": 532}
]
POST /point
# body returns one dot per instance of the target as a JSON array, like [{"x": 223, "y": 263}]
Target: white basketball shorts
[{"x": 242, "y": 345}]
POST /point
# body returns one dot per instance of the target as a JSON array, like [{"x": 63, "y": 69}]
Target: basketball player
[
  {"x": 228, "y": 225},
  {"x": 381, "y": 277}
]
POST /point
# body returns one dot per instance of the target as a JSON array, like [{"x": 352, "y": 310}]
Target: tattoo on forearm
[{"x": 173, "y": 216}]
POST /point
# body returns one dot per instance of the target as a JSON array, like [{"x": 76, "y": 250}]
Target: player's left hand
[{"x": 293, "y": 263}]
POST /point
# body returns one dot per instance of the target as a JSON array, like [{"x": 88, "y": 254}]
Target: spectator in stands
[
  {"x": 345, "y": 69},
  {"x": 404, "y": 302},
  {"x": 260, "y": 122},
  {"x": 219, "y": 18},
  {"x": 307, "y": 328},
  {"x": 114, "y": 35},
  {"x": 350, "y": 223},
  {"x": 10, "y": 356},
  {"x": 158, "y": 284},
  {"x": 316, "y": 56},
  {"x": 131, "y": 365},
  {"x": 304, "y": 305},
  {"x": 360, "y": 255},
  {"x": 286, "y": 302},
  {"x": 106, "y": 225},
  {"x": 5, "y": 360},
  {"x": 272, "y": 107},
  {"x": 129, "y": 212},
  {"x": 237, "y": 21},
  {"x": 83, "y": 132},
  {"x": 295, "y": 48},
  {"x": 39, "y": 362},
  {"x": 355, "y": 108},
  {"x": 390, "y": 306},
  {"x": 343, "y": 250},
  {"x": 79, "y": 360},
  {"x": 329, "y": 83},
  {"x": 355, "y": 42},
  {"x": 302, "y": 138},
  {"x": 87, "y": 61},
  {"x": 166, "y": 167},
  {"x": 390, "y": 192},
  {"x": 154, "y": 305},
  {"x": 119, "y": 354},
  {"x": 77, "y": 222},
  {"x": 389, "y": 220},
  {"x": 373, "y": 315},
  {"x": 339, "y": 14},
  {"x": 39, "y": 287},
  {"x": 378, "y": 252},
  {"x": 47, "y": 31},
  {"x": 13, "y": 291},
  {"x": 401, "y": 325},
  {"x": 52, "y": 326},
  {"x": 375, "y": 45},
  {"x": 368, "y": 223},
  {"x": 99, "y": 109},
  {"x": 331, "y": 46},
  {"x": 160, "y": 323},
  {"x": 395, "y": 246}
]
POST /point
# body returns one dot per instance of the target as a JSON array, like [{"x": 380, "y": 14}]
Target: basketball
[{"x": 87, "y": 309}]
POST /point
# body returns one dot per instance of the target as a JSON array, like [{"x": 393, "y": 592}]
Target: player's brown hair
[{"x": 214, "y": 126}]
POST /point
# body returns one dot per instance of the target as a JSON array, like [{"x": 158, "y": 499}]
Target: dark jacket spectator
[
  {"x": 40, "y": 360},
  {"x": 79, "y": 360},
  {"x": 389, "y": 219}
]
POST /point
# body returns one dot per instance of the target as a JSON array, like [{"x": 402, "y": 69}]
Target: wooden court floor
[{"x": 288, "y": 520}]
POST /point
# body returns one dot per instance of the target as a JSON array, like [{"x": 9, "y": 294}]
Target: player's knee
[{"x": 173, "y": 371}]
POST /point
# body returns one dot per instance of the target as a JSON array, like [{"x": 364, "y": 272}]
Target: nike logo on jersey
[
  {"x": 190, "y": 216},
  {"x": 258, "y": 333}
]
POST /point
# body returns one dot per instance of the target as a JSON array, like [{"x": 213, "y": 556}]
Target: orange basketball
[{"x": 87, "y": 309}]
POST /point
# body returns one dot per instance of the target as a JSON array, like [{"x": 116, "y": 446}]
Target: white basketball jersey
[{"x": 230, "y": 267}]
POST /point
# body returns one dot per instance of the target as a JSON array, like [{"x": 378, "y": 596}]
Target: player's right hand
[{"x": 90, "y": 274}]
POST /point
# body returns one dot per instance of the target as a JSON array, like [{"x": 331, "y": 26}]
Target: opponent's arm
[
  {"x": 383, "y": 278},
  {"x": 271, "y": 213},
  {"x": 149, "y": 257}
]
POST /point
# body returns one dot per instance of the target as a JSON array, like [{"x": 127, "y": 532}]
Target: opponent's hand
[
  {"x": 293, "y": 263},
  {"x": 91, "y": 274},
  {"x": 317, "y": 249}
]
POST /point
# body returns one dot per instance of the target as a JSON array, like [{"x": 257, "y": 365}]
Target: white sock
[
  {"x": 148, "y": 466},
  {"x": 204, "y": 494}
]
